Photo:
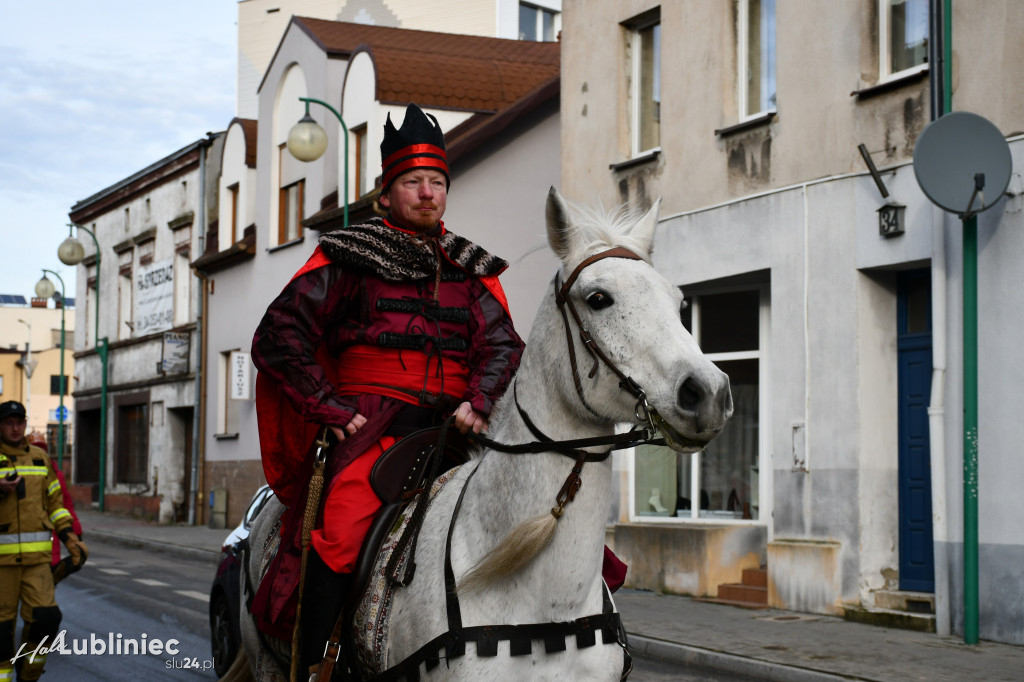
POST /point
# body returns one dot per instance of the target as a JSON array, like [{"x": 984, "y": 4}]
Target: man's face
[
  {"x": 417, "y": 199},
  {"x": 12, "y": 430}
]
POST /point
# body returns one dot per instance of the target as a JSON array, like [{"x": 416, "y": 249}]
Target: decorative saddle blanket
[{"x": 372, "y": 626}]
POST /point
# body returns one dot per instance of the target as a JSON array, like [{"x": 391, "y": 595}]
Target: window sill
[
  {"x": 272, "y": 249},
  {"x": 225, "y": 436},
  {"x": 638, "y": 160},
  {"x": 901, "y": 80},
  {"x": 756, "y": 122}
]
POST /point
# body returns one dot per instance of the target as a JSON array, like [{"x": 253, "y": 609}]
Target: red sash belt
[{"x": 401, "y": 374}]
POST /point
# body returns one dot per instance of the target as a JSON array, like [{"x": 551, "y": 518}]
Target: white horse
[{"x": 514, "y": 560}]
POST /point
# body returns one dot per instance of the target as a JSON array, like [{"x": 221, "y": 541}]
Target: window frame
[
  {"x": 885, "y": 71},
  {"x": 764, "y": 437},
  {"x": 282, "y": 211},
  {"x": 742, "y": 65},
  {"x": 233, "y": 191},
  {"x": 635, "y": 28},
  {"x": 556, "y": 22},
  {"x": 362, "y": 158}
]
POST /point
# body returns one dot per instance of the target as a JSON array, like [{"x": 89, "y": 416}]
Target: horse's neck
[{"x": 508, "y": 489}]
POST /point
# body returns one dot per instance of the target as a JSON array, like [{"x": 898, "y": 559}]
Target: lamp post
[
  {"x": 45, "y": 289},
  {"x": 71, "y": 252},
  {"x": 28, "y": 367},
  {"x": 307, "y": 141}
]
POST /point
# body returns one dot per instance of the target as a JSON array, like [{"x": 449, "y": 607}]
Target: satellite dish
[{"x": 962, "y": 163}]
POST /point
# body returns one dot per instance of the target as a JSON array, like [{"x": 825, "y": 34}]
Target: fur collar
[{"x": 394, "y": 255}]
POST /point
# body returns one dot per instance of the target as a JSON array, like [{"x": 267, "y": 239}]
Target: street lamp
[
  {"x": 307, "y": 141},
  {"x": 71, "y": 252},
  {"x": 45, "y": 289},
  {"x": 28, "y": 366}
]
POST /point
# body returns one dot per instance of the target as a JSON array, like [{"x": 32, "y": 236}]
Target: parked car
[{"x": 225, "y": 593}]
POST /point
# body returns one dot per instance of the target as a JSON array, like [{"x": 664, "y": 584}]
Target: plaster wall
[
  {"x": 235, "y": 171},
  {"x": 511, "y": 224}
]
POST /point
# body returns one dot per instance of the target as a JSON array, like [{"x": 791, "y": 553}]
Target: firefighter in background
[
  {"x": 31, "y": 507},
  {"x": 61, "y": 567}
]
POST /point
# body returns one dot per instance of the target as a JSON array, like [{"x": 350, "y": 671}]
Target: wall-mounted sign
[
  {"x": 239, "y": 375},
  {"x": 154, "y": 298},
  {"x": 175, "y": 355}
]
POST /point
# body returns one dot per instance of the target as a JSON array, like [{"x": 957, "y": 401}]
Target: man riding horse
[{"x": 390, "y": 327}]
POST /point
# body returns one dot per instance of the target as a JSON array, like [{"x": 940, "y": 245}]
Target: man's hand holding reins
[
  {"x": 349, "y": 429},
  {"x": 467, "y": 418}
]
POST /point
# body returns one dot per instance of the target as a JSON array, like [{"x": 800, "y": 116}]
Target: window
[
  {"x": 756, "y": 57},
  {"x": 359, "y": 132},
  {"x": 537, "y": 24},
  {"x": 903, "y": 36},
  {"x": 290, "y": 198},
  {"x": 55, "y": 384},
  {"x": 1, "y": 384},
  {"x": 125, "y": 324},
  {"x": 290, "y": 219},
  {"x": 233, "y": 227},
  {"x": 722, "y": 482},
  {"x": 228, "y": 409},
  {"x": 182, "y": 282},
  {"x": 645, "y": 82},
  {"x": 132, "y": 442}
]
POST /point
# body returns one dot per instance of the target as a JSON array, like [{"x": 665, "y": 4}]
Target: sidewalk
[{"x": 762, "y": 645}]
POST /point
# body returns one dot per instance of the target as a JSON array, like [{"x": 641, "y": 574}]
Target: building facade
[
  {"x": 40, "y": 393},
  {"x": 841, "y": 471},
  {"x": 140, "y": 298}
]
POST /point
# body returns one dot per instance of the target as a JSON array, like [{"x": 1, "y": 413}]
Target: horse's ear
[
  {"x": 558, "y": 223},
  {"x": 643, "y": 230}
]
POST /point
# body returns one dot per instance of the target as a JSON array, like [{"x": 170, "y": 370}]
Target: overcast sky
[{"x": 90, "y": 93}]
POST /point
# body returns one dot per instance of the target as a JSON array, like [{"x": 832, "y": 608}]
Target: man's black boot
[{"x": 322, "y": 602}]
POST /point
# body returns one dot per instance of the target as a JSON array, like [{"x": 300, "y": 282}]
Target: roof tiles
[{"x": 441, "y": 70}]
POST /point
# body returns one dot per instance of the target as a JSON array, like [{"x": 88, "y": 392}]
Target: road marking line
[
  {"x": 151, "y": 583},
  {"x": 194, "y": 595},
  {"x": 114, "y": 571}
]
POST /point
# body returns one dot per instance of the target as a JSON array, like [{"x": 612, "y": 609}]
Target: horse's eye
[{"x": 599, "y": 300}]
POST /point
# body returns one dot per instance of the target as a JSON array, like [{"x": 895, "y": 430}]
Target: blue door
[{"x": 914, "y": 342}]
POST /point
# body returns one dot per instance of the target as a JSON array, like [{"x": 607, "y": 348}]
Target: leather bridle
[{"x": 564, "y": 302}]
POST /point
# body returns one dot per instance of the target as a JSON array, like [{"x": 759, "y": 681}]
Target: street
[
  {"x": 122, "y": 594},
  {"x": 160, "y": 601}
]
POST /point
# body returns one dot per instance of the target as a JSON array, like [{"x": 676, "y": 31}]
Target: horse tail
[{"x": 519, "y": 547}]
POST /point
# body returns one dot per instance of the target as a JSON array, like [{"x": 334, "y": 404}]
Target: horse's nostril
[{"x": 690, "y": 394}]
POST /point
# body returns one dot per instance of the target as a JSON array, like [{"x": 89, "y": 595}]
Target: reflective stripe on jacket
[{"x": 26, "y": 522}]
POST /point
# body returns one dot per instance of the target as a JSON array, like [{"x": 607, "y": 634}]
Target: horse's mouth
[{"x": 676, "y": 440}]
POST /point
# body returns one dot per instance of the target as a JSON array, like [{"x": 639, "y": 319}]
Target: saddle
[{"x": 397, "y": 477}]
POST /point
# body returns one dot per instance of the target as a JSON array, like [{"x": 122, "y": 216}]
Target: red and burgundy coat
[{"x": 377, "y": 318}]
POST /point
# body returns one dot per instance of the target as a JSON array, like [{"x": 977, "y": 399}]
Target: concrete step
[
  {"x": 755, "y": 577},
  {"x": 891, "y": 618},
  {"x": 743, "y": 593}
]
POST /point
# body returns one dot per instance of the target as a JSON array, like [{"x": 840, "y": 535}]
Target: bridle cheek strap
[{"x": 563, "y": 301}]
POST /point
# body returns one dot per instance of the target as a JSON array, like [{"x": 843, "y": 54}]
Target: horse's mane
[{"x": 595, "y": 228}]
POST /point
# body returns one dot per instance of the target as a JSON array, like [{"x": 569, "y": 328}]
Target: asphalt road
[{"x": 157, "y": 600}]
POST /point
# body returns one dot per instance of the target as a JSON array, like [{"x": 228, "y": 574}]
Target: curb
[
  {"x": 154, "y": 545},
  {"x": 718, "y": 661}
]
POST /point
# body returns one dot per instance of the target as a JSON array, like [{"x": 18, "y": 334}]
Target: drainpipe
[
  {"x": 200, "y": 333},
  {"x": 936, "y": 406}
]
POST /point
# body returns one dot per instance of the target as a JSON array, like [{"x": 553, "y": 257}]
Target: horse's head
[{"x": 608, "y": 291}]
